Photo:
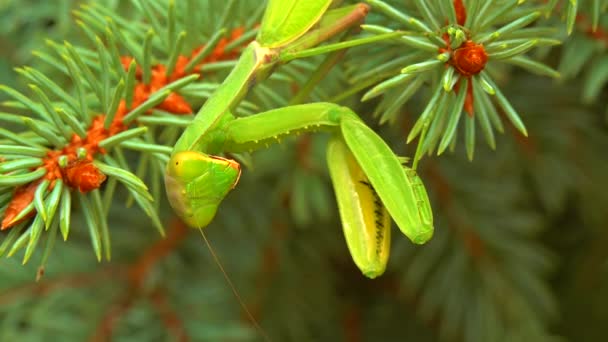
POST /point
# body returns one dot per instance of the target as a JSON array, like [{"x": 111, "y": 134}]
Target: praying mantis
[{"x": 370, "y": 182}]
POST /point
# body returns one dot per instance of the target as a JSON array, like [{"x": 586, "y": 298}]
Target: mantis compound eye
[{"x": 197, "y": 183}]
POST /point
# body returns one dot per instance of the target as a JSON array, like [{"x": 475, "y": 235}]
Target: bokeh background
[{"x": 520, "y": 251}]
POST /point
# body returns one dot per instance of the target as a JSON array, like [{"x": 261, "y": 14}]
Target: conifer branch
[
  {"x": 459, "y": 54},
  {"x": 106, "y": 107}
]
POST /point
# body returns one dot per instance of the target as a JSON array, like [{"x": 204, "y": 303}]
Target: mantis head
[{"x": 197, "y": 183}]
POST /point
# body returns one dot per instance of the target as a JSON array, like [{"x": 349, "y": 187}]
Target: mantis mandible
[{"x": 370, "y": 183}]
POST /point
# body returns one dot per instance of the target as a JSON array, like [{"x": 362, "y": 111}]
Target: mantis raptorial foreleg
[
  {"x": 288, "y": 26},
  {"x": 376, "y": 182},
  {"x": 289, "y": 29},
  {"x": 399, "y": 192}
]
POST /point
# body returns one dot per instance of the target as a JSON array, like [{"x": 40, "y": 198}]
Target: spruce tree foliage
[{"x": 519, "y": 250}]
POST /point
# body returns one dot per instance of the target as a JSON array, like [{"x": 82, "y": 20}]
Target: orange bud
[
  {"x": 83, "y": 175},
  {"x": 24, "y": 195},
  {"x": 176, "y": 104},
  {"x": 470, "y": 58}
]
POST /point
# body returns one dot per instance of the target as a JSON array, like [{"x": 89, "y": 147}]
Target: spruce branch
[
  {"x": 132, "y": 74},
  {"x": 489, "y": 274},
  {"x": 77, "y": 148},
  {"x": 456, "y": 48},
  {"x": 490, "y": 285},
  {"x": 571, "y": 11},
  {"x": 585, "y": 54}
]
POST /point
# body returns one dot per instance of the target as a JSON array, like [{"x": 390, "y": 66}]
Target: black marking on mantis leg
[{"x": 378, "y": 217}]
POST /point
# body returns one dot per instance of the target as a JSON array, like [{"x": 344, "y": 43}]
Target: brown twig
[
  {"x": 268, "y": 265},
  {"x": 172, "y": 321},
  {"x": 136, "y": 275},
  {"x": 140, "y": 269},
  {"x": 77, "y": 280},
  {"x": 106, "y": 326},
  {"x": 475, "y": 246},
  {"x": 351, "y": 322}
]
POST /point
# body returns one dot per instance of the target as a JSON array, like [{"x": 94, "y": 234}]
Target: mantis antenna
[{"x": 233, "y": 288}]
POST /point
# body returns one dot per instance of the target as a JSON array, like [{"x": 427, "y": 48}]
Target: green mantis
[{"x": 370, "y": 183}]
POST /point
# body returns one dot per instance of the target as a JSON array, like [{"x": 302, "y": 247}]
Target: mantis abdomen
[{"x": 365, "y": 221}]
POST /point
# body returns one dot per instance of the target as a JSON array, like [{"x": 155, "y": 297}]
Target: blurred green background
[{"x": 520, "y": 251}]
